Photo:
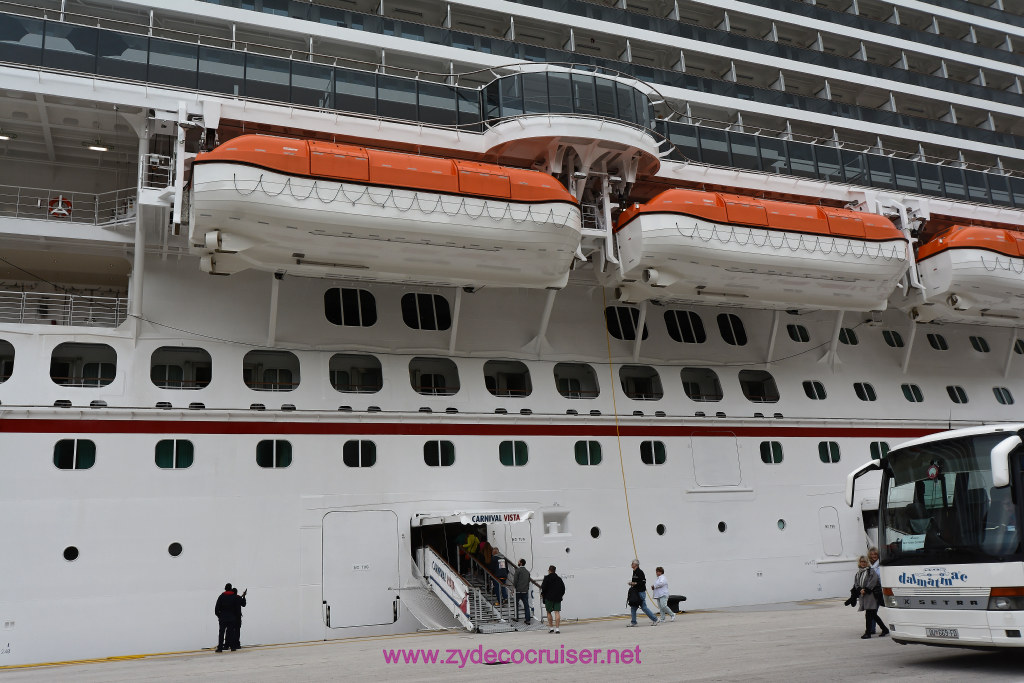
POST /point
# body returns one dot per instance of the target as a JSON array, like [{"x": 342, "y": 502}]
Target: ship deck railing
[
  {"x": 44, "y": 308},
  {"x": 63, "y": 206}
]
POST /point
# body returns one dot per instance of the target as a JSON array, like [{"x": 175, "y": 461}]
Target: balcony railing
[
  {"x": 62, "y": 309},
  {"x": 104, "y": 208}
]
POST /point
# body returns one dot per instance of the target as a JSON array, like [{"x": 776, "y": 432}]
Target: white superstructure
[{"x": 267, "y": 375}]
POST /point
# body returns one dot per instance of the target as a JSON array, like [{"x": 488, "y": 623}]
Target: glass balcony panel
[
  {"x": 70, "y": 48},
  {"x": 801, "y": 159},
  {"x": 855, "y": 167},
  {"x": 881, "y": 171},
  {"x": 437, "y": 104},
  {"x": 511, "y": 88},
  {"x": 830, "y": 167},
  {"x": 267, "y": 78},
  {"x": 312, "y": 85},
  {"x": 906, "y": 175},
  {"x": 583, "y": 98},
  {"x": 931, "y": 179},
  {"x": 684, "y": 137},
  {"x": 560, "y": 93},
  {"x": 773, "y": 154},
  {"x": 953, "y": 181},
  {"x": 122, "y": 55},
  {"x": 396, "y": 97},
  {"x": 714, "y": 146},
  {"x": 492, "y": 101},
  {"x": 1000, "y": 189},
  {"x": 173, "y": 63},
  {"x": 1017, "y": 190},
  {"x": 355, "y": 91},
  {"x": 977, "y": 190},
  {"x": 535, "y": 93},
  {"x": 469, "y": 108},
  {"x": 606, "y": 105},
  {"x": 624, "y": 96},
  {"x": 222, "y": 71},
  {"x": 743, "y": 148},
  {"x": 21, "y": 40}
]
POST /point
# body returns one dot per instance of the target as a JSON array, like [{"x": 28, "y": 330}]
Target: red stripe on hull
[{"x": 93, "y": 426}]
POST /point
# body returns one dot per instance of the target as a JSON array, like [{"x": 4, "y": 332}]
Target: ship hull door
[{"x": 360, "y": 568}]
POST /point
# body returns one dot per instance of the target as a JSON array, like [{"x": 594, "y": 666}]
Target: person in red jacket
[{"x": 229, "y": 617}]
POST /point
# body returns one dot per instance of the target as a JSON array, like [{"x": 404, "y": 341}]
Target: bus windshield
[{"x": 939, "y": 505}]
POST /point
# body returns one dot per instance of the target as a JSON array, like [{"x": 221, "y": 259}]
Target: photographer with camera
[{"x": 866, "y": 587}]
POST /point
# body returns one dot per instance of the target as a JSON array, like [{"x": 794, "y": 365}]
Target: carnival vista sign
[{"x": 496, "y": 517}]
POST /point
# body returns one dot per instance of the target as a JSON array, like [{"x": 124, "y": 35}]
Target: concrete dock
[{"x": 811, "y": 641}]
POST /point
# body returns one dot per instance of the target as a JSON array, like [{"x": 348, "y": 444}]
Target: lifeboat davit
[
  {"x": 331, "y": 210},
  {"x": 704, "y": 247},
  {"x": 973, "y": 274}
]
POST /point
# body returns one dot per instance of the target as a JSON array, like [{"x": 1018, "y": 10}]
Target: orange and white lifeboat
[
  {"x": 973, "y": 274},
  {"x": 320, "y": 209},
  {"x": 706, "y": 247}
]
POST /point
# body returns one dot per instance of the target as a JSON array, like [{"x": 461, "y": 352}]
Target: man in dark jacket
[
  {"x": 639, "y": 582},
  {"x": 229, "y": 616},
  {"x": 521, "y": 583},
  {"x": 552, "y": 590}
]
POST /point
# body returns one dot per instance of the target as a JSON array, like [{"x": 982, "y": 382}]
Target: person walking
[
  {"x": 867, "y": 582},
  {"x": 228, "y": 610},
  {"x": 639, "y": 583},
  {"x": 660, "y": 588},
  {"x": 552, "y": 590},
  {"x": 521, "y": 584},
  {"x": 873, "y": 561}
]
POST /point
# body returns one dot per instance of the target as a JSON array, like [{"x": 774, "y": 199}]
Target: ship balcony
[
  {"x": 42, "y": 308},
  {"x": 23, "y": 208}
]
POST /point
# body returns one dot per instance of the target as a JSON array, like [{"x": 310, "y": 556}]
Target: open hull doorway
[{"x": 510, "y": 534}]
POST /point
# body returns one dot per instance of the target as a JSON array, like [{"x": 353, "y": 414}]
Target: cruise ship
[{"x": 299, "y": 294}]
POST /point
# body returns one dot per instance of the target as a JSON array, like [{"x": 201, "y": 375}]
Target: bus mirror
[
  {"x": 1001, "y": 460},
  {"x": 852, "y": 477}
]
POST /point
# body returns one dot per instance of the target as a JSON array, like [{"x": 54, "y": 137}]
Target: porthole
[
  {"x": 174, "y": 549},
  {"x": 594, "y": 532},
  {"x": 660, "y": 529},
  {"x": 567, "y": 551},
  {"x": 781, "y": 524},
  {"x": 71, "y": 553},
  {"x": 722, "y": 527}
]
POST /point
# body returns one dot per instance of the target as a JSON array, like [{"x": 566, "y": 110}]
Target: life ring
[{"x": 60, "y": 207}]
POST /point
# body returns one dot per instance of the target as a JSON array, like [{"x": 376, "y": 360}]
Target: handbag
[{"x": 633, "y": 597}]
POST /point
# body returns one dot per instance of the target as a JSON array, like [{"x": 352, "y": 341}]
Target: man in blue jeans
[{"x": 639, "y": 582}]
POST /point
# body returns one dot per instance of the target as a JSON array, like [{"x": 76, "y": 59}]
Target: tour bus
[{"x": 949, "y": 515}]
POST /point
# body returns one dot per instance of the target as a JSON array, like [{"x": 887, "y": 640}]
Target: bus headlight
[{"x": 1006, "y": 598}]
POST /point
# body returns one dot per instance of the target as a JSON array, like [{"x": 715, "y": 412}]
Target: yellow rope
[{"x": 615, "y": 414}]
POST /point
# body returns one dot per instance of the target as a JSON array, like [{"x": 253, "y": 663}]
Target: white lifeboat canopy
[
  {"x": 709, "y": 247},
  {"x": 972, "y": 274},
  {"x": 321, "y": 209}
]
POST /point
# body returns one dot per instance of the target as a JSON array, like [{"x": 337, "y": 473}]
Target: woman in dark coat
[{"x": 867, "y": 581}]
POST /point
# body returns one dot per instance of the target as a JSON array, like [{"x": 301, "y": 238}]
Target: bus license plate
[{"x": 942, "y": 633}]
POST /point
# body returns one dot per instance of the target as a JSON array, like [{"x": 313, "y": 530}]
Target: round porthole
[
  {"x": 660, "y": 529},
  {"x": 174, "y": 549},
  {"x": 566, "y": 550},
  {"x": 782, "y": 524},
  {"x": 71, "y": 553},
  {"x": 594, "y": 532},
  {"x": 722, "y": 527}
]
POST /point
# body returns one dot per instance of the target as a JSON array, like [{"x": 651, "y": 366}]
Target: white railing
[
  {"x": 104, "y": 208},
  {"x": 36, "y": 308}
]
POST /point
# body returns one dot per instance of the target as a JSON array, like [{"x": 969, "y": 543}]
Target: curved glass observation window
[{"x": 559, "y": 92}]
